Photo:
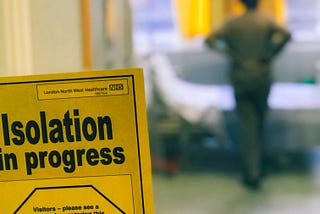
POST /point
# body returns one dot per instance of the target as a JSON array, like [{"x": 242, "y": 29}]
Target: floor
[{"x": 212, "y": 192}]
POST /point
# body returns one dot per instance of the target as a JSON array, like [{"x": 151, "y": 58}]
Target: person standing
[{"x": 252, "y": 41}]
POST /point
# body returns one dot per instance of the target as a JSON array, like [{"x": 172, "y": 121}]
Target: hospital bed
[{"x": 206, "y": 105}]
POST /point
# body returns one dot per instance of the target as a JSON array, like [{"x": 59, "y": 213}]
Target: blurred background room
[{"x": 194, "y": 134}]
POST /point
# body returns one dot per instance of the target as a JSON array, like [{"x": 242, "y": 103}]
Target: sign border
[{"x": 60, "y": 79}]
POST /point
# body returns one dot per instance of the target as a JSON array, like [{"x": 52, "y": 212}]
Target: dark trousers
[{"x": 252, "y": 106}]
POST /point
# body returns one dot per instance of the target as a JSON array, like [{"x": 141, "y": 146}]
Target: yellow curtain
[
  {"x": 199, "y": 17},
  {"x": 193, "y": 17},
  {"x": 275, "y": 8}
]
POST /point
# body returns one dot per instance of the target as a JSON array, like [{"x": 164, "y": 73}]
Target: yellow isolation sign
[{"x": 74, "y": 143}]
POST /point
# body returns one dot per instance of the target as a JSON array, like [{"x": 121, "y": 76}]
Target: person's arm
[
  {"x": 279, "y": 37},
  {"x": 217, "y": 40}
]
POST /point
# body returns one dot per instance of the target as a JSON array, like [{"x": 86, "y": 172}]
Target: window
[
  {"x": 303, "y": 18},
  {"x": 154, "y": 27}
]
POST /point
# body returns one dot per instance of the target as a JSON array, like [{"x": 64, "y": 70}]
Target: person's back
[{"x": 248, "y": 35}]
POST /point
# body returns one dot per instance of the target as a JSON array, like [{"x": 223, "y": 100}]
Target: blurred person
[{"x": 251, "y": 40}]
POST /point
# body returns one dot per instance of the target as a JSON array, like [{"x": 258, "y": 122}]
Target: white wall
[
  {"x": 16, "y": 37},
  {"x": 45, "y": 36},
  {"x": 56, "y": 35},
  {"x": 40, "y": 36},
  {"x": 2, "y": 50},
  {"x": 99, "y": 41},
  {"x": 119, "y": 34}
]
